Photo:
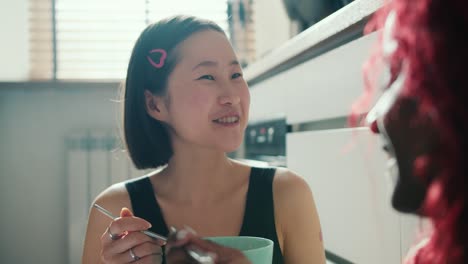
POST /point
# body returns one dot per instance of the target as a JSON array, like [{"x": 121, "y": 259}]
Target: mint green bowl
[{"x": 258, "y": 250}]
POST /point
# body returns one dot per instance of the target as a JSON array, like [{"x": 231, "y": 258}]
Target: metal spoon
[
  {"x": 146, "y": 232},
  {"x": 200, "y": 257}
]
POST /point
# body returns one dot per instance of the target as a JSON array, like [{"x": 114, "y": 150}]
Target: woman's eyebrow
[{"x": 209, "y": 63}]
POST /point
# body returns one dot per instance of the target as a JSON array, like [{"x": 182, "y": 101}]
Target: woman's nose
[
  {"x": 229, "y": 95},
  {"x": 230, "y": 99}
]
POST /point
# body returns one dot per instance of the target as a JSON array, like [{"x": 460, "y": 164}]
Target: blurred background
[{"x": 61, "y": 68}]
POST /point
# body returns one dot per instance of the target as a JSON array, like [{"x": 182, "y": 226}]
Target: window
[
  {"x": 41, "y": 50},
  {"x": 93, "y": 39}
]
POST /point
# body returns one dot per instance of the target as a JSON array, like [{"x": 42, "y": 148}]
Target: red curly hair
[{"x": 432, "y": 37}]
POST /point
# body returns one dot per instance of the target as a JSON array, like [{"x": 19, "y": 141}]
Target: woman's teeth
[{"x": 227, "y": 120}]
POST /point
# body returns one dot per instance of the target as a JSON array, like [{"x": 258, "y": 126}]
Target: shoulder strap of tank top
[
  {"x": 259, "y": 219},
  {"x": 145, "y": 205}
]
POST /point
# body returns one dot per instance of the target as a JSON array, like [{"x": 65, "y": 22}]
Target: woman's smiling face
[{"x": 208, "y": 99}]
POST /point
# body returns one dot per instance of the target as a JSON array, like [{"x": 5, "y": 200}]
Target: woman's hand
[
  {"x": 122, "y": 241},
  {"x": 183, "y": 240}
]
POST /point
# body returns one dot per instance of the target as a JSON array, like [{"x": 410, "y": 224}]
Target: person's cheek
[
  {"x": 196, "y": 103},
  {"x": 246, "y": 99}
]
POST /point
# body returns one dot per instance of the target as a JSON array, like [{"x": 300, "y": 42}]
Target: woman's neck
[{"x": 196, "y": 176}]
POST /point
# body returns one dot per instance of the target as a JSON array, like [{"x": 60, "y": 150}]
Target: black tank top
[{"x": 259, "y": 215}]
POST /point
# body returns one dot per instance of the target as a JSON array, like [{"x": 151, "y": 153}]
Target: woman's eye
[
  {"x": 206, "y": 77},
  {"x": 236, "y": 75}
]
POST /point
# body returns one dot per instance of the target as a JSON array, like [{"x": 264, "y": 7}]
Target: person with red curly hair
[{"x": 422, "y": 116}]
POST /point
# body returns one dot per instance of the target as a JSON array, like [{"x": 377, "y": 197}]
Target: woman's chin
[
  {"x": 408, "y": 197},
  {"x": 230, "y": 147}
]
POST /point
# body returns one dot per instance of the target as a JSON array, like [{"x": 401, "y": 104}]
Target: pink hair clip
[{"x": 159, "y": 64}]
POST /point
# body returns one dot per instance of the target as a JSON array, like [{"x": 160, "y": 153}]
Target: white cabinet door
[
  {"x": 321, "y": 88},
  {"x": 345, "y": 170},
  {"x": 268, "y": 99},
  {"x": 327, "y": 86}
]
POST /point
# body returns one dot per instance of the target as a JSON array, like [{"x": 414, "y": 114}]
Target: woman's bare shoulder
[
  {"x": 114, "y": 198},
  {"x": 287, "y": 181},
  {"x": 297, "y": 218}
]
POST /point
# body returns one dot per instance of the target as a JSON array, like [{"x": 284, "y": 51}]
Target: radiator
[{"x": 95, "y": 160}]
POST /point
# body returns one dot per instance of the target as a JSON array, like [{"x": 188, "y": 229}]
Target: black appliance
[{"x": 266, "y": 141}]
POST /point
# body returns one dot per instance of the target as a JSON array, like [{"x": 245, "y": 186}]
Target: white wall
[
  {"x": 14, "y": 40},
  {"x": 272, "y": 26},
  {"x": 34, "y": 123}
]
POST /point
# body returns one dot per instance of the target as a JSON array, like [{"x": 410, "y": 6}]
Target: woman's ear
[{"x": 155, "y": 106}]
